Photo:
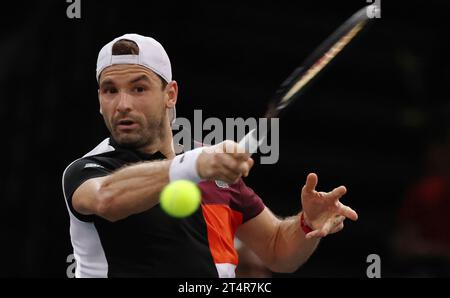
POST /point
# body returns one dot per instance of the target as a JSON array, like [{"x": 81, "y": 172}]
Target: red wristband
[{"x": 306, "y": 229}]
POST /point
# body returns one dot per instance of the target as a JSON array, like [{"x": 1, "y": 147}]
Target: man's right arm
[
  {"x": 130, "y": 190},
  {"x": 136, "y": 188}
]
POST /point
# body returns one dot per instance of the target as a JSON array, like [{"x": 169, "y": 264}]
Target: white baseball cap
[{"x": 151, "y": 55}]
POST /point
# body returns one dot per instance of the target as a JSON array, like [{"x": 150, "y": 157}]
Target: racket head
[{"x": 317, "y": 61}]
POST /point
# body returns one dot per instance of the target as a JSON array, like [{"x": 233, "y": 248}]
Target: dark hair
[{"x": 129, "y": 47}]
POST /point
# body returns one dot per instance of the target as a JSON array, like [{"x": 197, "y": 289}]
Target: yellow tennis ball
[{"x": 180, "y": 198}]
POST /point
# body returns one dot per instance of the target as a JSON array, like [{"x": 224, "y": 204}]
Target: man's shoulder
[
  {"x": 103, "y": 147},
  {"x": 96, "y": 158}
]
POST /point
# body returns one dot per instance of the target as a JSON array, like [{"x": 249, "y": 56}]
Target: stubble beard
[{"x": 142, "y": 137}]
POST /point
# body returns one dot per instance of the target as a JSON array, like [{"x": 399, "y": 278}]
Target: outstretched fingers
[
  {"x": 336, "y": 193},
  {"x": 311, "y": 183},
  {"x": 347, "y": 212}
]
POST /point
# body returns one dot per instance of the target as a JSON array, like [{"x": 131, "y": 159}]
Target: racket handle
[{"x": 250, "y": 142}]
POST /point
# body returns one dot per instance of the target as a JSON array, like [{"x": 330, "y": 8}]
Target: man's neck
[{"x": 165, "y": 146}]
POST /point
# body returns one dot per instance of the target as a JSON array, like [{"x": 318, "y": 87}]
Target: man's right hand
[{"x": 224, "y": 162}]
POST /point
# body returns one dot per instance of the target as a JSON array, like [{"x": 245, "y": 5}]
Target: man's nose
[{"x": 124, "y": 104}]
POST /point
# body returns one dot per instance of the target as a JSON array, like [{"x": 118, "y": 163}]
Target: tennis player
[{"x": 117, "y": 228}]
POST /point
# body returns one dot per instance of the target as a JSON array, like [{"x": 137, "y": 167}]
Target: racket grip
[{"x": 250, "y": 142}]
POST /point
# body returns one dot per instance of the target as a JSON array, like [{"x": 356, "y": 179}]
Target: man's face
[{"x": 133, "y": 104}]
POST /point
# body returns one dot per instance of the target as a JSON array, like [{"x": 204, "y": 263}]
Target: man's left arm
[{"x": 282, "y": 244}]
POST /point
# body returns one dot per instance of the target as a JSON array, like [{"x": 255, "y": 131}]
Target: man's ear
[
  {"x": 172, "y": 94},
  {"x": 101, "y": 112}
]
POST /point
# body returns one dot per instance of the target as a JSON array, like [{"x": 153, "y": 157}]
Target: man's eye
[
  {"x": 110, "y": 90},
  {"x": 139, "y": 89}
]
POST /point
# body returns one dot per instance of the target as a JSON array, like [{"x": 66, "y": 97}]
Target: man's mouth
[{"x": 126, "y": 124}]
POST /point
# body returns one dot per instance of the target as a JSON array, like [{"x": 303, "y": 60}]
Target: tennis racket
[{"x": 291, "y": 89}]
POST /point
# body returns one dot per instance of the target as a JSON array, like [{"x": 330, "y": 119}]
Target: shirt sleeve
[
  {"x": 251, "y": 204},
  {"x": 75, "y": 175}
]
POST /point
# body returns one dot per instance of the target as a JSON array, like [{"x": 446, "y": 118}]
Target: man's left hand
[{"x": 323, "y": 211}]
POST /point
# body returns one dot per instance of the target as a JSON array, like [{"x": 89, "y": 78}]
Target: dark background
[{"x": 368, "y": 123}]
